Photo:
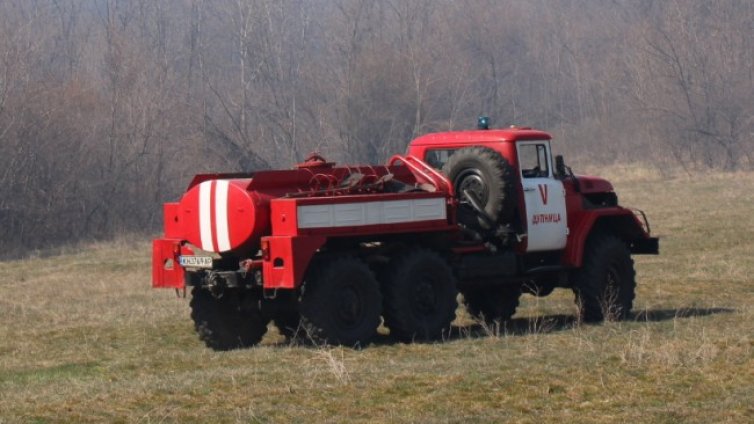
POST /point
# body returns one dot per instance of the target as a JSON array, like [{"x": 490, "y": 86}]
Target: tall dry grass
[{"x": 85, "y": 339}]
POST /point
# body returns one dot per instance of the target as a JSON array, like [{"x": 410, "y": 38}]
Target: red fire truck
[{"x": 328, "y": 253}]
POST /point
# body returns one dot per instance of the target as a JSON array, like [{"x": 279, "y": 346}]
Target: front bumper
[{"x": 645, "y": 246}]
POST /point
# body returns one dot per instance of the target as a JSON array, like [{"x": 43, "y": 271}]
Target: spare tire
[{"x": 489, "y": 176}]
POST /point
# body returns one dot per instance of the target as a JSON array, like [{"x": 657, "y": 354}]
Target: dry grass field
[{"x": 85, "y": 339}]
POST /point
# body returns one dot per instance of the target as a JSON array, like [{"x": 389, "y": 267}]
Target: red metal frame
[
  {"x": 287, "y": 258},
  {"x": 424, "y": 173}
]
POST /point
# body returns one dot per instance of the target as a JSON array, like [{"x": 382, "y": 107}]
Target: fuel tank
[{"x": 220, "y": 215}]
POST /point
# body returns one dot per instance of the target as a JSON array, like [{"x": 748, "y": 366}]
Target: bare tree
[{"x": 107, "y": 107}]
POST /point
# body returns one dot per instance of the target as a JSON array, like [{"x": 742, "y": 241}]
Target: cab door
[{"x": 544, "y": 197}]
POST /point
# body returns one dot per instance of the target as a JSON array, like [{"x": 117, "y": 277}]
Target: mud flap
[{"x": 166, "y": 271}]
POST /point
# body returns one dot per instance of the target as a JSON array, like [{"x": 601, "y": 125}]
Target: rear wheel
[
  {"x": 287, "y": 323},
  {"x": 341, "y": 303},
  {"x": 420, "y": 296},
  {"x": 605, "y": 286},
  {"x": 231, "y": 321},
  {"x": 492, "y": 304}
]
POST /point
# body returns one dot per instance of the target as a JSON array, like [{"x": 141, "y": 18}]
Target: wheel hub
[
  {"x": 425, "y": 298},
  {"x": 474, "y": 183},
  {"x": 612, "y": 287},
  {"x": 349, "y": 307}
]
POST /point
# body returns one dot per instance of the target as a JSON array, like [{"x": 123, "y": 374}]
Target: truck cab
[
  {"x": 540, "y": 219},
  {"x": 552, "y": 210}
]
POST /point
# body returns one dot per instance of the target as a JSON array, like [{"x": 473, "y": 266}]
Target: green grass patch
[{"x": 48, "y": 375}]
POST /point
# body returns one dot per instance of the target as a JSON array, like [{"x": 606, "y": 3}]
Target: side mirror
[{"x": 560, "y": 167}]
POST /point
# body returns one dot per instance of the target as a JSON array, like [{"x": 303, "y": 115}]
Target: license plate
[{"x": 196, "y": 261}]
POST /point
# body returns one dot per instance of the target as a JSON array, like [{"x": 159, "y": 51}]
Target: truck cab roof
[{"x": 480, "y": 136}]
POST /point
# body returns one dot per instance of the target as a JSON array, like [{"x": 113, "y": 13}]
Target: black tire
[
  {"x": 232, "y": 321},
  {"x": 420, "y": 296},
  {"x": 605, "y": 285},
  {"x": 288, "y": 323},
  {"x": 489, "y": 176},
  {"x": 340, "y": 304},
  {"x": 492, "y": 304}
]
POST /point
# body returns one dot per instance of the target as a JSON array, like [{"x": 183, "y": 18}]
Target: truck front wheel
[
  {"x": 231, "y": 321},
  {"x": 420, "y": 296},
  {"x": 340, "y": 304},
  {"x": 604, "y": 287}
]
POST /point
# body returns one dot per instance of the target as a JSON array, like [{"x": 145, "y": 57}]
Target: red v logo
[{"x": 543, "y": 192}]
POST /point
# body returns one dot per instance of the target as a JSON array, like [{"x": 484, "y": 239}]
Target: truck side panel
[
  {"x": 286, "y": 259},
  {"x": 301, "y": 226},
  {"x": 362, "y": 215}
]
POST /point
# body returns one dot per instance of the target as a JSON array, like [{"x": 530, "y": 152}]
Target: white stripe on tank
[
  {"x": 205, "y": 217},
  {"x": 221, "y": 215}
]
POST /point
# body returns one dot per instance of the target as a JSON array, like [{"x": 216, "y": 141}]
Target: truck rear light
[{"x": 265, "y": 249}]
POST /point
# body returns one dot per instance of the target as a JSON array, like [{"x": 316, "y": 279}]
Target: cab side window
[
  {"x": 437, "y": 158},
  {"x": 532, "y": 159}
]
